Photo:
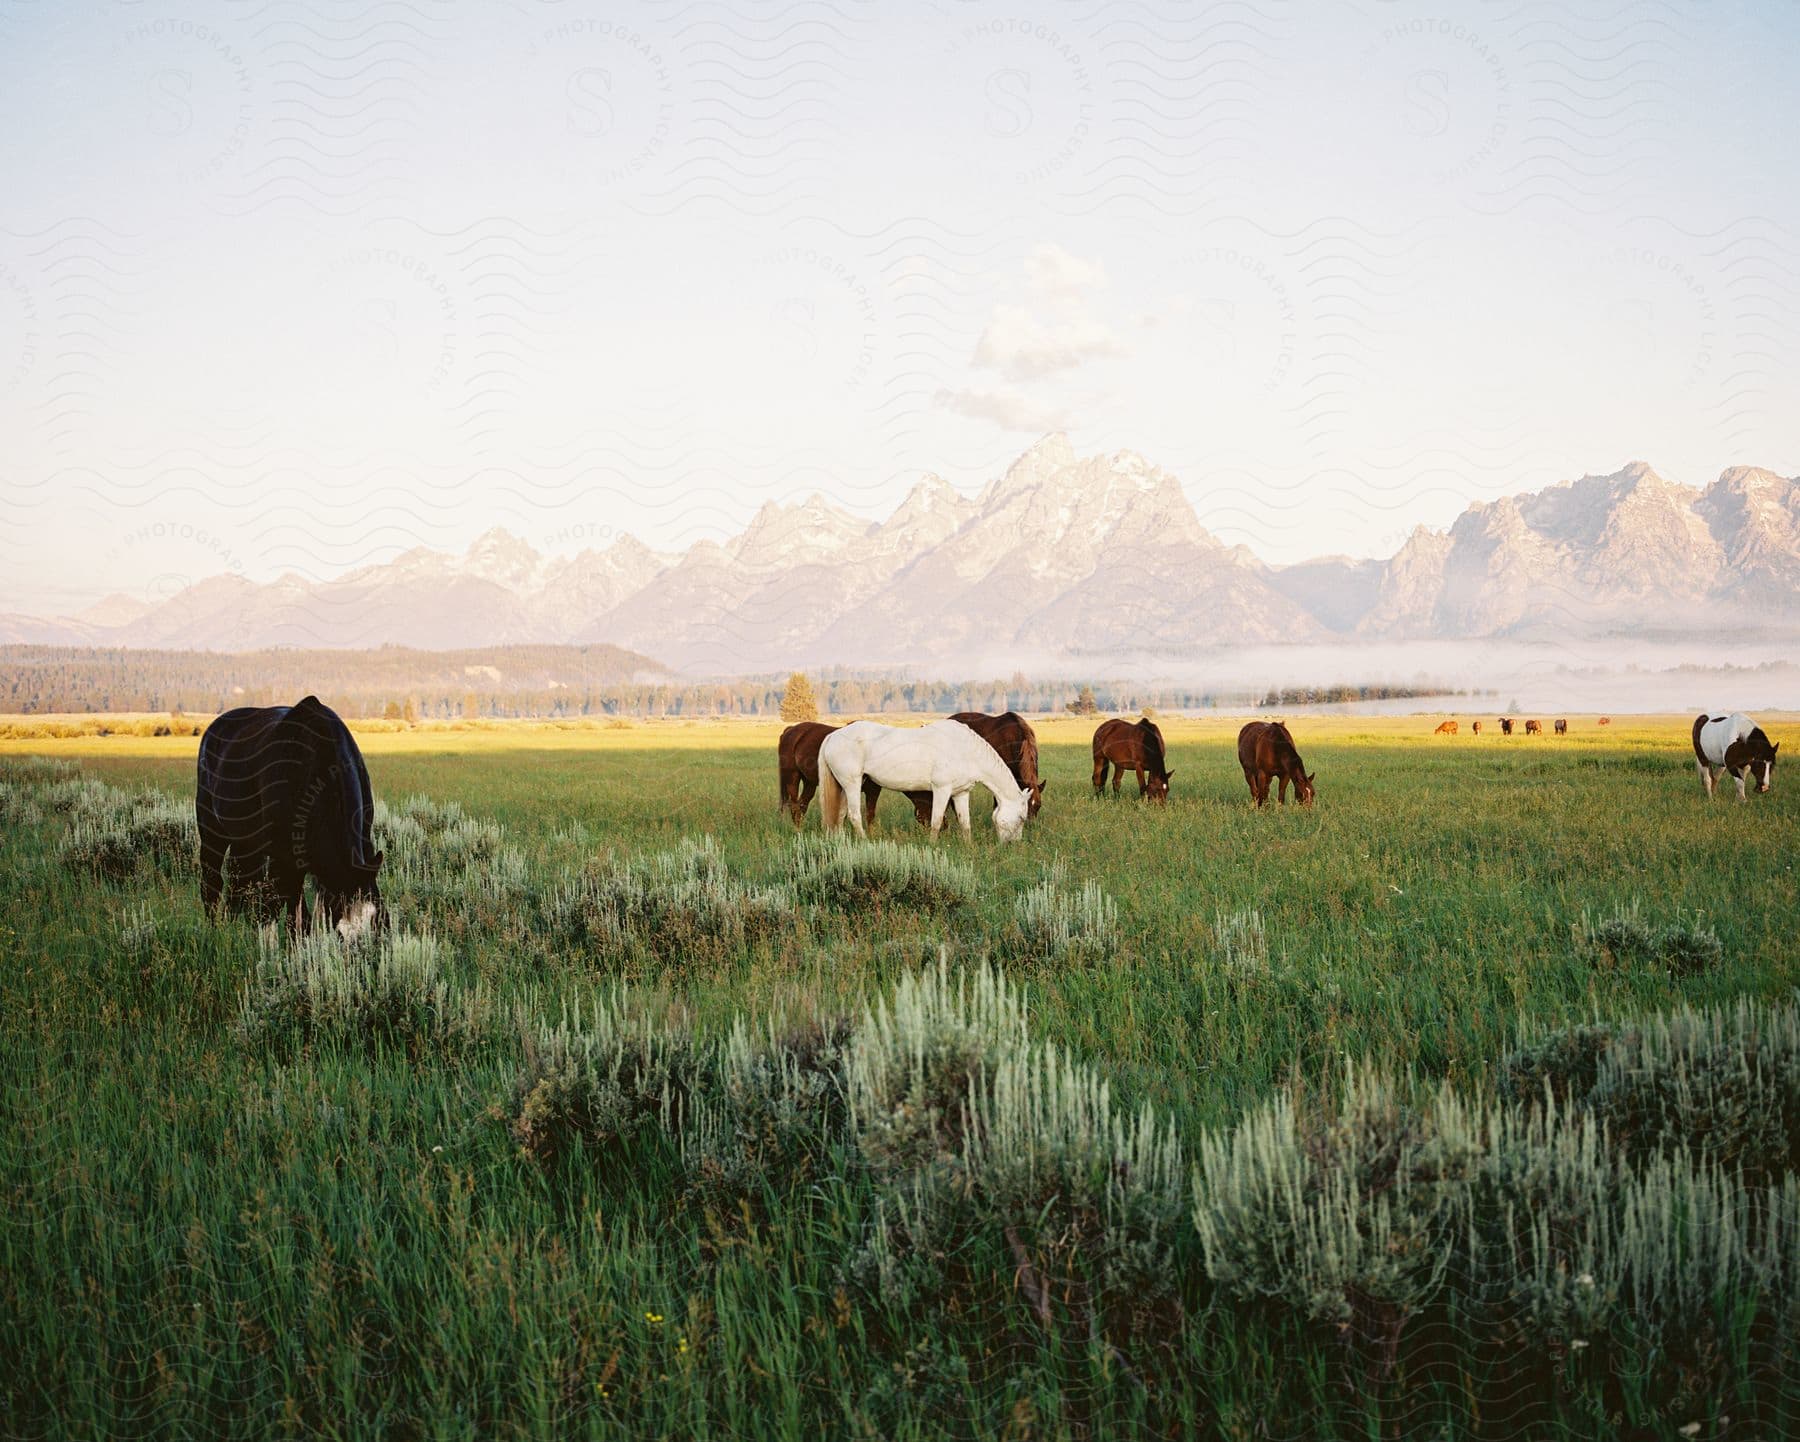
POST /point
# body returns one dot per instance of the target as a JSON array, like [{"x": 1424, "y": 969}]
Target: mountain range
[{"x": 1061, "y": 556}]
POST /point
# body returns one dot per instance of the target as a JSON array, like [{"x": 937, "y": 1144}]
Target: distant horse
[
  {"x": 1266, "y": 752},
  {"x": 1736, "y": 743},
  {"x": 1506, "y": 725},
  {"x": 1476, "y": 728},
  {"x": 1604, "y": 721},
  {"x": 1534, "y": 728},
  {"x": 1562, "y": 727},
  {"x": 282, "y": 791},
  {"x": 797, "y": 757},
  {"x": 945, "y": 758},
  {"x": 1447, "y": 728},
  {"x": 1132, "y": 746}
]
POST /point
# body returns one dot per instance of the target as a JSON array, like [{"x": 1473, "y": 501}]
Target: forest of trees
[{"x": 548, "y": 682}]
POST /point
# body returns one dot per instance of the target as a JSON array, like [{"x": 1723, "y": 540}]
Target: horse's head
[
  {"x": 1156, "y": 786},
  {"x": 354, "y": 905},
  {"x": 1304, "y": 789},
  {"x": 1010, "y": 813},
  {"x": 1037, "y": 789}
]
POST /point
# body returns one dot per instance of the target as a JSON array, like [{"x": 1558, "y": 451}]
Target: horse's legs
[
  {"x": 212, "y": 872},
  {"x": 797, "y": 805},
  {"x": 852, "y": 785},
  {"x": 939, "y": 800},
  {"x": 1143, "y": 785},
  {"x": 1099, "y": 775},
  {"x": 871, "y": 793},
  {"x": 1281, "y": 790},
  {"x": 1738, "y": 776},
  {"x": 961, "y": 802}
]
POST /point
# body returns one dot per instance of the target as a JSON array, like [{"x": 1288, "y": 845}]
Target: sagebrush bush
[
  {"x": 1241, "y": 945},
  {"x": 1626, "y": 937},
  {"x": 114, "y": 833},
  {"x": 774, "y": 1111},
  {"x": 608, "y": 1073},
  {"x": 846, "y": 873},
  {"x": 1621, "y": 936},
  {"x": 911, "y": 1061},
  {"x": 393, "y": 991},
  {"x": 1347, "y": 1217},
  {"x": 674, "y": 905},
  {"x": 1054, "y": 924},
  {"x": 1721, "y": 1083}
]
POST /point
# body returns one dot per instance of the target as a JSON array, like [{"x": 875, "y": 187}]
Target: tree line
[{"x": 560, "y": 683}]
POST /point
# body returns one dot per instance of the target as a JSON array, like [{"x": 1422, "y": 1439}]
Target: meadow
[{"x": 652, "y": 1119}]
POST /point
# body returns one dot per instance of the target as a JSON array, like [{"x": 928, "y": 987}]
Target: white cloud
[
  {"x": 1007, "y": 408},
  {"x": 1022, "y": 344},
  {"x": 1052, "y": 271}
]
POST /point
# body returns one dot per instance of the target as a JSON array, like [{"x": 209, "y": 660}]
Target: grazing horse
[
  {"x": 1736, "y": 743},
  {"x": 1475, "y": 727},
  {"x": 1266, "y": 752},
  {"x": 1506, "y": 725},
  {"x": 1604, "y": 721},
  {"x": 1562, "y": 727},
  {"x": 1132, "y": 746},
  {"x": 283, "y": 791},
  {"x": 797, "y": 756},
  {"x": 1011, "y": 735},
  {"x": 1534, "y": 728},
  {"x": 1447, "y": 728},
  {"x": 945, "y": 758}
]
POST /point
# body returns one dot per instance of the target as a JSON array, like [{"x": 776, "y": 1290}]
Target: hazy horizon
[{"x": 288, "y": 291}]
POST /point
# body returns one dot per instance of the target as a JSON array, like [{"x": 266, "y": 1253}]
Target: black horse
[{"x": 284, "y": 791}]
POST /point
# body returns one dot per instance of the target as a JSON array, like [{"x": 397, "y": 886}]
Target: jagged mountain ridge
[{"x": 1059, "y": 555}]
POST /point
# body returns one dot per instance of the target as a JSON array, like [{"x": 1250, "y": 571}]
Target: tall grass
[{"x": 1445, "y": 1170}]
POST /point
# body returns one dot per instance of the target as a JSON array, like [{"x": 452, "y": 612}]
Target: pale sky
[{"x": 297, "y": 287}]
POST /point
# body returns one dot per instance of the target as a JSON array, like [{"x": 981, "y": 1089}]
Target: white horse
[
  {"x": 1736, "y": 743},
  {"x": 945, "y": 758}
]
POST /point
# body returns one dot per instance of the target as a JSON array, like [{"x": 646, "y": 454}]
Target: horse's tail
[{"x": 831, "y": 797}]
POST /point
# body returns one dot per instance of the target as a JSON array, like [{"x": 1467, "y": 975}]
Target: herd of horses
[
  {"x": 283, "y": 794},
  {"x": 935, "y": 766},
  {"x": 1532, "y": 728}
]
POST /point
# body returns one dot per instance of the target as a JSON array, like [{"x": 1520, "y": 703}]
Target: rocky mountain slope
[{"x": 1061, "y": 555}]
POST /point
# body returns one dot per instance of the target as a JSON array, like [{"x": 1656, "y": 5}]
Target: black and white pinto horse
[
  {"x": 1737, "y": 744},
  {"x": 282, "y": 791}
]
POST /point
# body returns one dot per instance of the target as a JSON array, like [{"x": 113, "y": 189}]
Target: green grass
[{"x": 205, "y": 1233}]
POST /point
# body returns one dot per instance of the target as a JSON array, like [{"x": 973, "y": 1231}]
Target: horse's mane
[
  {"x": 1153, "y": 746},
  {"x": 336, "y": 759},
  {"x": 1028, "y": 752}
]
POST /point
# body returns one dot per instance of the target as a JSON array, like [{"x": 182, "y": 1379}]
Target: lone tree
[
  {"x": 797, "y": 701},
  {"x": 1084, "y": 704}
]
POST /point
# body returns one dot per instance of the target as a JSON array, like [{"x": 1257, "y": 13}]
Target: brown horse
[
  {"x": 1266, "y": 752},
  {"x": 1562, "y": 726},
  {"x": 1447, "y": 728},
  {"x": 1604, "y": 721},
  {"x": 798, "y": 759},
  {"x": 1506, "y": 725},
  {"x": 1132, "y": 746},
  {"x": 1534, "y": 728},
  {"x": 1011, "y": 735},
  {"x": 1476, "y": 728}
]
